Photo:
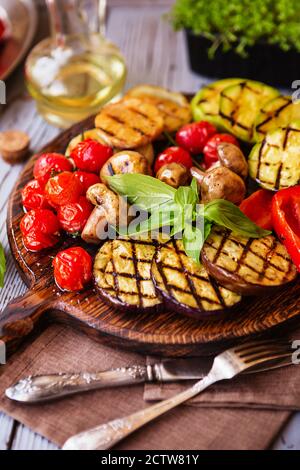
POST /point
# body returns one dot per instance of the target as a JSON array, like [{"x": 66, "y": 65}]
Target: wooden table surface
[{"x": 154, "y": 54}]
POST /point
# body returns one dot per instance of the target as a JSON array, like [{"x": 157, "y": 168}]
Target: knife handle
[{"x": 51, "y": 387}]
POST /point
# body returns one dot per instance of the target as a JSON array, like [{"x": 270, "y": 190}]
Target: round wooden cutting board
[{"x": 167, "y": 333}]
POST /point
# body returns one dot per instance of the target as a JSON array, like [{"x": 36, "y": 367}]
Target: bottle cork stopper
[{"x": 14, "y": 146}]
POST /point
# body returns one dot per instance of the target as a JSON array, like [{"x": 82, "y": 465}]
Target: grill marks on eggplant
[
  {"x": 240, "y": 104},
  {"x": 247, "y": 265},
  {"x": 186, "y": 286},
  {"x": 122, "y": 274},
  {"x": 274, "y": 163},
  {"x": 276, "y": 113},
  {"x": 129, "y": 123}
]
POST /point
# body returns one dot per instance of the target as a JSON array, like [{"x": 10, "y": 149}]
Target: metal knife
[{"x": 35, "y": 389}]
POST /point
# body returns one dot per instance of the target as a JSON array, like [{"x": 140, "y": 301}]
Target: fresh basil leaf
[
  {"x": 207, "y": 228},
  {"x": 193, "y": 241},
  {"x": 178, "y": 223},
  {"x": 226, "y": 214},
  {"x": 145, "y": 191},
  {"x": 2, "y": 266},
  {"x": 155, "y": 221},
  {"x": 185, "y": 196},
  {"x": 194, "y": 187}
]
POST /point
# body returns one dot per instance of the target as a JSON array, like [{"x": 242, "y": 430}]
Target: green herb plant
[
  {"x": 239, "y": 24},
  {"x": 180, "y": 210}
]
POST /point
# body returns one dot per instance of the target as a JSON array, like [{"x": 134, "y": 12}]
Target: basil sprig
[
  {"x": 179, "y": 209},
  {"x": 2, "y": 266}
]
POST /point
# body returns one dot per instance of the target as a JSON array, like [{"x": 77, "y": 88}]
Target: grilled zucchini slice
[
  {"x": 122, "y": 275},
  {"x": 246, "y": 265},
  {"x": 275, "y": 162},
  {"x": 240, "y": 105},
  {"x": 186, "y": 286},
  {"x": 174, "y": 107},
  {"x": 129, "y": 123},
  {"x": 278, "y": 112},
  {"x": 206, "y": 103}
]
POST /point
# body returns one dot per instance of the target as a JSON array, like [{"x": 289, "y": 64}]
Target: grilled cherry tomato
[
  {"x": 72, "y": 269},
  {"x": 210, "y": 149},
  {"x": 63, "y": 189},
  {"x": 40, "y": 229},
  {"x": 33, "y": 196},
  {"x": 257, "y": 208},
  {"x": 89, "y": 155},
  {"x": 193, "y": 137},
  {"x": 73, "y": 216},
  {"x": 86, "y": 180},
  {"x": 48, "y": 164},
  {"x": 173, "y": 155},
  {"x": 286, "y": 220}
]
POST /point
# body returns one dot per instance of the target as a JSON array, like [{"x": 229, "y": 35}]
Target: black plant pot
[{"x": 266, "y": 63}]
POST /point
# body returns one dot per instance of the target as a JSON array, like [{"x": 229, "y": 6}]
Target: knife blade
[{"x": 36, "y": 389}]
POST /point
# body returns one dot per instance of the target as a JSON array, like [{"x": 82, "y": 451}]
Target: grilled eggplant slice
[
  {"x": 240, "y": 105},
  {"x": 187, "y": 286},
  {"x": 129, "y": 123},
  {"x": 174, "y": 107},
  {"x": 122, "y": 275},
  {"x": 275, "y": 163},
  {"x": 206, "y": 103},
  {"x": 278, "y": 112},
  {"x": 247, "y": 266}
]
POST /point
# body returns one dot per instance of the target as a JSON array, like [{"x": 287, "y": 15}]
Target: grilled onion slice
[
  {"x": 278, "y": 112},
  {"x": 206, "y": 103},
  {"x": 122, "y": 275},
  {"x": 186, "y": 286},
  {"x": 275, "y": 162},
  {"x": 247, "y": 265},
  {"x": 240, "y": 105},
  {"x": 129, "y": 123},
  {"x": 174, "y": 107}
]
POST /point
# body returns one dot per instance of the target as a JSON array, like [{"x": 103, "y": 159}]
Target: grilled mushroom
[
  {"x": 232, "y": 158},
  {"x": 174, "y": 174},
  {"x": 220, "y": 183},
  {"x": 96, "y": 227},
  {"x": 125, "y": 162},
  {"x": 114, "y": 206}
]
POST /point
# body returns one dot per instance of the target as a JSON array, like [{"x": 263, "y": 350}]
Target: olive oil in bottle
[{"x": 71, "y": 76}]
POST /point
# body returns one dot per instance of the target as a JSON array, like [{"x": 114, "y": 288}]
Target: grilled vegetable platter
[{"x": 165, "y": 219}]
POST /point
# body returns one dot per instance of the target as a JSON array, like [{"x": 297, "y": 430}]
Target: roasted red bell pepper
[
  {"x": 257, "y": 208},
  {"x": 286, "y": 220}
]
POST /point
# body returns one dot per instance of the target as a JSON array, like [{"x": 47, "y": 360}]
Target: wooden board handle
[{"x": 19, "y": 316}]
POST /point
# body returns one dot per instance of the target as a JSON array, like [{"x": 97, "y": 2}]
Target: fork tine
[
  {"x": 265, "y": 358},
  {"x": 259, "y": 343},
  {"x": 260, "y": 349}
]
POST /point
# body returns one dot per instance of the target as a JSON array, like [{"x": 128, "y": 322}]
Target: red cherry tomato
[
  {"x": 63, "y": 189},
  {"x": 89, "y": 155},
  {"x": 193, "y": 137},
  {"x": 48, "y": 164},
  {"x": 210, "y": 149},
  {"x": 173, "y": 155},
  {"x": 33, "y": 196},
  {"x": 73, "y": 217},
  {"x": 72, "y": 269},
  {"x": 40, "y": 229},
  {"x": 86, "y": 180}
]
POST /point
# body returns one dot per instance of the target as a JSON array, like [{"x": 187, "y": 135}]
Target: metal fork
[{"x": 225, "y": 366}]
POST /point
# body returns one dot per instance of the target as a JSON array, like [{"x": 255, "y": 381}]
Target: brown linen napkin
[{"x": 62, "y": 349}]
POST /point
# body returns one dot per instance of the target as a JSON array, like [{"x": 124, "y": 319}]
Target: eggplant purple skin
[
  {"x": 118, "y": 305},
  {"x": 237, "y": 284},
  {"x": 195, "y": 313}
]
